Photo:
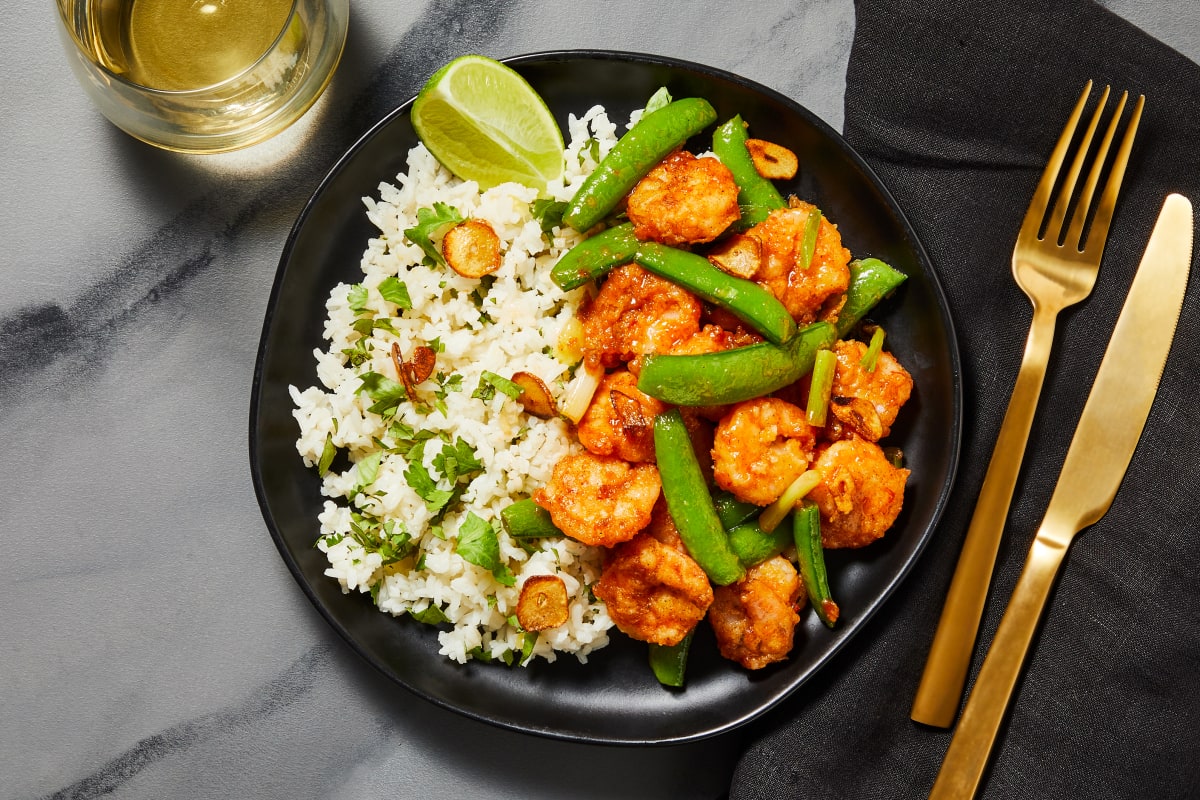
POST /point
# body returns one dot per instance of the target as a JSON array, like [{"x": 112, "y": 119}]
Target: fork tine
[
  {"x": 1055, "y": 227},
  {"x": 1108, "y": 200},
  {"x": 1032, "y": 224},
  {"x": 1074, "y": 236}
]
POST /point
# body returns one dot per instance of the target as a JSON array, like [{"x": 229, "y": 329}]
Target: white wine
[
  {"x": 190, "y": 44},
  {"x": 182, "y": 45},
  {"x": 204, "y": 76}
]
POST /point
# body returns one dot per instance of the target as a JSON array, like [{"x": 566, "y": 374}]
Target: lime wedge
[{"x": 485, "y": 123}]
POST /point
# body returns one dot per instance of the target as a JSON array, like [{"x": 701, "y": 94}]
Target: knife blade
[{"x": 1098, "y": 457}]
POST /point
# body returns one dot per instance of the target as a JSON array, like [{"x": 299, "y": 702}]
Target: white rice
[{"x": 515, "y": 327}]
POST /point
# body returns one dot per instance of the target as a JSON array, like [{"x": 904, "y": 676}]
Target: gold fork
[{"x": 1053, "y": 277}]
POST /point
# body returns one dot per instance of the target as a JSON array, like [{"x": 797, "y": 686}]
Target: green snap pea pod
[
  {"x": 637, "y": 152},
  {"x": 688, "y": 500},
  {"x": 757, "y": 196},
  {"x": 669, "y": 662},
  {"x": 806, "y": 526},
  {"x": 733, "y": 512},
  {"x": 746, "y": 300},
  {"x": 871, "y": 280},
  {"x": 730, "y": 376},
  {"x": 595, "y": 256},
  {"x": 754, "y": 545},
  {"x": 525, "y": 519}
]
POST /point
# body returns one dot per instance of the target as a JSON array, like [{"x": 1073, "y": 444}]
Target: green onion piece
[
  {"x": 871, "y": 357},
  {"x": 808, "y": 244},
  {"x": 773, "y": 514},
  {"x": 811, "y": 556},
  {"x": 669, "y": 662},
  {"x": 820, "y": 387}
]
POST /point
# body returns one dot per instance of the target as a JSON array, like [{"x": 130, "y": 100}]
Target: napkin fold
[{"x": 956, "y": 105}]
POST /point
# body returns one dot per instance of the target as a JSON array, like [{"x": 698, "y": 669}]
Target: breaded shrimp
[
  {"x": 760, "y": 447},
  {"x": 636, "y": 313},
  {"x": 865, "y": 402},
  {"x": 620, "y": 420},
  {"x": 755, "y": 618},
  {"x": 684, "y": 200},
  {"x": 860, "y": 493},
  {"x": 654, "y": 592},
  {"x": 600, "y": 500},
  {"x": 803, "y": 290}
]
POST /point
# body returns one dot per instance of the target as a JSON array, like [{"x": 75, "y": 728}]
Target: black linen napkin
[{"x": 957, "y": 104}]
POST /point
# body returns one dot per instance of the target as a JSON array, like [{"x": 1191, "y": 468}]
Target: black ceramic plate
[{"x": 614, "y": 698}]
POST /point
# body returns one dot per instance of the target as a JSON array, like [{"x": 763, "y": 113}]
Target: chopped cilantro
[
  {"x": 657, "y": 100},
  {"x": 548, "y": 213},
  {"x": 394, "y": 291},
  {"x": 385, "y": 393},
  {"x": 479, "y": 545},
  {"x": 490, "y": 382},
  {"x": 388, "y": 538},
  {"x": 368, "y": 470},
  {"x": 357, "y": 298},
  {"x": 432, "y": 223},
  {"x": 431, "y": 615}
]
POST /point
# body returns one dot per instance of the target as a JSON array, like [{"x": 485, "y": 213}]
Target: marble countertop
[{"x": 154, "y": 642}]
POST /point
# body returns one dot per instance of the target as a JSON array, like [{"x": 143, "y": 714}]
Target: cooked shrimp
[
  {"x": 755, "y": 618},
  {"x": 600, "y": 500},
  {"x": 760, "y": 447},
  {"x": 654, "y": 592},
  {"x": 868, "y": 402},
  {"x": 802, "y": 289},
  {"x": 636, "y": 313},
  {"x": 860, "y": 493},
  {"x": 684, "y": 200},
  {"x": 620, "y": 420}
]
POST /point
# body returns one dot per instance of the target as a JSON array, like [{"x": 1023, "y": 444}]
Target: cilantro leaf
[
  {"x": 368, "y": 469},
  {"x": 490, "y": 382},
  {"x": 421, "y": 482},
  {"x": 388, "y": 538},
  {"x": 393, "y": 290},
  {"x": 385, "y": 393},
  {"x": 357, "y": 298},
  {"x": 431, "y": 223},
  {"x": 431, "y": 615},
  {"x": 657, "y": 100},
  {"x": 477, "y": 542},
  {"x": 548, "y": 213}
]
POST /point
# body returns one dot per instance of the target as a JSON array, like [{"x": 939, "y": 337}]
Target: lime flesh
[{"x": 485, "y": 123}]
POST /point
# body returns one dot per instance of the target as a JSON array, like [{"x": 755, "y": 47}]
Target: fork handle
[
  {"x": 966, "y": 759},
  {"x": 940, "y": 691}
]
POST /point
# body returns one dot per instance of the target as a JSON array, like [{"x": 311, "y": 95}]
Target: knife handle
[
  {"x": 971, "y": 746},
  {"x": 941, "y": 688}
]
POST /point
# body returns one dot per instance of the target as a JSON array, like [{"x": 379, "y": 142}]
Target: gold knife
[{"x": 1107, "y": 434}]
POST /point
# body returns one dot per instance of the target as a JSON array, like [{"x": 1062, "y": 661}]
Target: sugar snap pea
[
  {"x": 871, "y": 280},
  {"x": 757, "y": 196},
  {"x": 753, "y": 545},
  {"x": 595, "y": 256},
  {"x": 733, "y": 512},
  {"x": 806, "y": 526},
  {"x": 731, "y": 376},
  {"x": 745, "y": 299},
  {"x": 669, "y": 662},
  {"x": 689, "y": 502},
  {"x": 637, "y": 152}
]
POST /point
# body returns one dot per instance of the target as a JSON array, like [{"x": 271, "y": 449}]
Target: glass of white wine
[{"x": 203, "y": 76}]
